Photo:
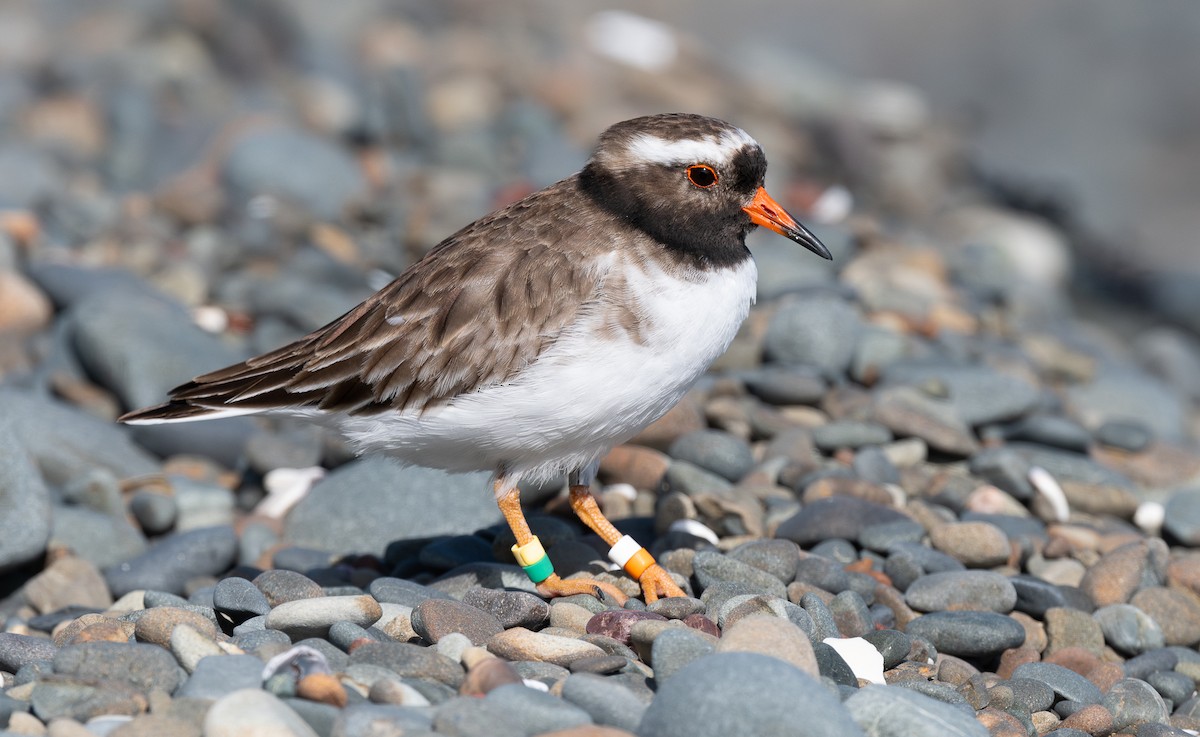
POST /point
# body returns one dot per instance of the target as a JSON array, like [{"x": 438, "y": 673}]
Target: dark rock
[
  {"x": 144, "y": 667},
  {"x": 170, "y": 563},
  {"x": 968, "y": 634},
  {"x": 835, "y": 517},
  {"x": 435, "y": 618},
  {"x": 715, "y": 451}
]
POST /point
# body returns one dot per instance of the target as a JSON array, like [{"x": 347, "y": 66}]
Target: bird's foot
[
  {"x": 657, "y": 583},
  {"x": 555, "y": 586}
]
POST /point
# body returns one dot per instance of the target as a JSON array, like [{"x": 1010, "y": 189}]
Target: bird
[{"x": 538, "y": 337}]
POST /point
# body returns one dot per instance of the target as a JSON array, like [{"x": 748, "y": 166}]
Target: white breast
[{"x": 587, "y": 393}]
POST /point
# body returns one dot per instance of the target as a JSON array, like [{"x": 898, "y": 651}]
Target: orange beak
[{"x": 765, "y": 211}]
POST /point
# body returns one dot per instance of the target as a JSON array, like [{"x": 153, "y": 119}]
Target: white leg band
[{"x": 625, "y": 549}]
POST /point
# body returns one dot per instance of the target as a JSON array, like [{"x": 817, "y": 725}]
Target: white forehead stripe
[{"x": 720, "y": 150}]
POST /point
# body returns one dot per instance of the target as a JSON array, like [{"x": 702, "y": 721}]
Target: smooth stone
[
  {"x": 219, "y": 675},
  {"x": 390, "y": 502},
  {"x": 1072, "y": 628},
  {"x": 239, "y": 599},
  {"x": 409, "y": 661},
  {"x": 883, "y": 536},
  {"x": 976, "y": 544},
  {"x": 968, "y": 634},
  {"x": 980, "y": 395},
  {"x": 451, "y": 552},
  {"x": 744, "y": 693},
  {"x": 851, "y": 434},
  {"x": 297, "y": 166},
  {"x": 1128, "y": 629},
  {"x": 175, "y": 560},
  {"x": 18, "y": 650},
  {"x": 82, "y": 699},
  {"x": 313, "y": 617},
  {"x": 833, "y": 666},
  {"x": 155, "y": 513},
  {"x": 690, "y": 479},
  {"x": 155, "y": 625},
  {"x": 1173, "y": 687},
  {"x": 851, "y": 614},
  {"x": 1066, "y": 683},
  {"x": 1051, "y": 430},
  {"x": 817, "y": 330},
  {"x": 254, "y": 712},
  {"x": 908, "y": 411},
  {"x": 1031, "y": 695},
  {"x": 606, "y": 701},
  {"x": 67, "y": 443},
  {"x": 25, "y": 524},
  {"x": 1124, "y": 394},
  {"x": 535, "y": 711},
  {"x": 711, "y": 567},
  {"x": 893, "y": 645},
  {"x": 103, "y": 539},
  {"x": 475, "y": 717},
  {"x": 776, "y": 557},
  {"x": 1177, "y": 613},
  {"x": 771, "y": 636},
  {"x": 1181, "y": 519},
  {"x": 519, "y": 643},
  {"x": 382, "y": 720},
  {"x": 835, "y": 517},
  {"x": 715, "y": 451},
  {"x": 785, "y": 386},
  {"x": 884, "y": 711},
  {"x": 1127, "y": 435},
  {"x": 142, "y": 666},
  {"x": 1133, "y": 702},
  {"x": 675, "y": 648},
  {"x": 511, "y": 608},
  {"x": 435, "y": 618},
  {"x": 280, "y": 586},
  {"x": 388, "y": 590},
  {"x": 1005, "y": 469},
  {"x": 1035, "y": 596},
  {"x": 616, "y": 623},
  {"x": 962, "y": 591}
]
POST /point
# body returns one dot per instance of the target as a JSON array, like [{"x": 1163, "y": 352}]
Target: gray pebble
[
  {"x": 818, "y": 330},
  {"x": 606, "y": 701},
  {"x": 1128, "y": 629},
  {"x": 155, "y": 513},
  {"x": 218, "y": 675},
  {"x": 968, "y": 634},
  {"x": 962, "y": 590},
  {"x": 745, "y": 693},
  {"x": 1134, "y": 702},
  {"x": 239, "y": 599},
  {"x": 715, "y": 451},
  {"x": 170, "y": 563},
  {"x": 513, "y": 608},
  {"x": 1066, "y": 683},
  {"x": 850, "y": 434},
  {"x": 144, "y": 667},
  {"x": 885, "y": 711},
  {"x": 675, "y": 648}
]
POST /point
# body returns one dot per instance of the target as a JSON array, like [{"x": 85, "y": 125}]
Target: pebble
[
  {"x": 711, "y": 568},
  {"x": 1182, "y": 517},
  {"x": 218, "y": 675},
  {"x": 519, "y": 643},
  {"x": 252, "y": 711},
  {"x": 771, "y": 636},
  {"x": 1133, "y": 702},
  {"x": 25, "y": 525},
  {"x": 744, "y": 693},
  {"x": 239, "y": 599},
  {"x": 168, "y": 565},
  {"x": 17, "y": 650},
  {"x": 985, "y": 591},
  {"x": 434, "y": 619},
  {"x": 717, "y": 452},
  {"x": 141, "y": 666},
  {"x": 976, "y": 544},
  {"x": 968, "y": 634},
  {"x": 835, "y": 517},
  {"x": 1177, "y": 613},
  {"x": 607, "y": 702},
  {"x": 313, "y": 617},
  {"x": 1129, "y": 630},
  {"x": 896, "y": 712},
  {"x": 1066, "y": 683},
  {"x": 156, "y": 625},
  {"x": 675, "y": 648},
  {"x": 280, "y": 586},
  {"x": 392, "y": 502},
  {"x": 816, "y": 330}
]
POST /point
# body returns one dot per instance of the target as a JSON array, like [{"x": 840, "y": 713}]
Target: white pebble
[
  {"x": 285, "y": 488},
  {"x": 536, "y": 685},
  {"x": 210, "y": 318},
  {"x": 625, "y": 490},
  {"x": 833, "y": 206},
  {"x": 1149, "y": 517},
  {"x": 1048, "y": 487},
  {"x": 695, "y": 529},
  {"x": 632, "y": 39},
  {"x": 864, "y": 660}
]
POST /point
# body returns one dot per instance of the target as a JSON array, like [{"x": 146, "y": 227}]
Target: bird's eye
[{"x": 702, "y": 175}]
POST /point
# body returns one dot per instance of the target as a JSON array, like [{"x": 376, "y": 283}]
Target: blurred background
[{"x": 202, "y": 143}]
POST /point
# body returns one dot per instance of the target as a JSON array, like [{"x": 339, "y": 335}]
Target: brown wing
[{"x": 480, "y": 306}]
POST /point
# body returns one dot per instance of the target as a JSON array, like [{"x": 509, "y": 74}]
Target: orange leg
[
  {"x": 509, "y": 500},
  {"x": 655, "y": 580}
]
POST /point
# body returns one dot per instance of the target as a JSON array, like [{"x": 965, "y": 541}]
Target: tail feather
[{"x": 181, "y": 411}]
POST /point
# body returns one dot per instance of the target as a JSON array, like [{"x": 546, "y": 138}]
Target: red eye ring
[{"x": 702, "y": 176}]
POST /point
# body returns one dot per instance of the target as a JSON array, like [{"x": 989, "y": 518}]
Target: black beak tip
[{"x": 804, "y": 237}]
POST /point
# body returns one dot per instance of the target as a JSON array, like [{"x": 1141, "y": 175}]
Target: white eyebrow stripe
[{"x": 651, "y": 148}]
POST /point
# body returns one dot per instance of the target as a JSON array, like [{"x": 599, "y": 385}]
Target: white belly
[{"x": 585, "y": 394}]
